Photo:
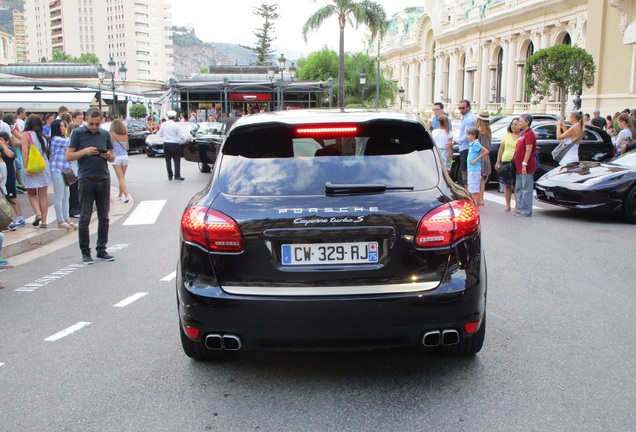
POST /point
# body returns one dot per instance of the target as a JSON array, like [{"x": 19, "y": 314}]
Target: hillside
[
  {"x": 6, "y": 13},
  {"x": 191, "y": 54}
]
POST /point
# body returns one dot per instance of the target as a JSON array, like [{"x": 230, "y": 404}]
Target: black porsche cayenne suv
[{"x": 329, "y": 229}]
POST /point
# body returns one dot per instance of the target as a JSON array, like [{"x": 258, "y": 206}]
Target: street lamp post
[
  {"x": 101, "y": 72},
  {"x": 363, "y": 81},
  {"x": 401, "y": 92},
  {"x": 225, "y": 86},
  {"x": 280, "y": 82}
]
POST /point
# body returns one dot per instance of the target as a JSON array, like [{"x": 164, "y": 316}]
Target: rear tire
[
  {"x": 470, "y": 345},
  {"x": 629, "y": 205},
  {"x": 197, "y": 350},
  {"x": 150, "y": 154}
]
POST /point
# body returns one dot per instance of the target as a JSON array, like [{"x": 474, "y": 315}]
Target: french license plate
[{"x": 330, "y": 253}]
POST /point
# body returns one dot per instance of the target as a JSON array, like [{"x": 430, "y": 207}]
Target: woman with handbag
[
  {"x": 58, "y": 165},
  {"x": 38, "y": 179},
  {"x": 504, "y": 166},
  {"x": 571, "y": 135}
]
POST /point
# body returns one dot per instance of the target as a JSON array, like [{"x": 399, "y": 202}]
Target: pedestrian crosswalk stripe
[{"x": 146, "y": 213}]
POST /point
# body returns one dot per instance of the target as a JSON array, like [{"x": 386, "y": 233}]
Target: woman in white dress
[
  {"x": 573, "y": 133},
  {"x": 36, "y": 184}
]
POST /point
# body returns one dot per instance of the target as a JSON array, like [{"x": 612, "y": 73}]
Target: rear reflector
[
  {"x": 192, "y": 332},
  {"x": 471, "y": 327},
  {"x": 447, "y": 224},
  {"x": 211, "y": 230}
]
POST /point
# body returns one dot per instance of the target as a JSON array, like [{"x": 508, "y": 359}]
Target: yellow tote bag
[{"x": 35, "y": 164}]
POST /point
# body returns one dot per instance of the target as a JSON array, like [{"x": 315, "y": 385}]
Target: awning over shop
[{"x": 41, "y": 98}]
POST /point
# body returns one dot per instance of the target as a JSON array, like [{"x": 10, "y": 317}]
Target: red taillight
[
  {"x": 342, "y": 130},
  {"x": 211, "y": 230},
  {"x": 447, "y": 224}
]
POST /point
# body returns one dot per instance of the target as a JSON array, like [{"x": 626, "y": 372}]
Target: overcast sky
[{"x": 233, "y": 21}]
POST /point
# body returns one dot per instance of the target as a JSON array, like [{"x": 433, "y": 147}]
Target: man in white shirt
[{"x": 172, "y": 140}]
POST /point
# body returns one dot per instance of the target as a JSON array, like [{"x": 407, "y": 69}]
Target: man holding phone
[{"x": 92, "y": 148}]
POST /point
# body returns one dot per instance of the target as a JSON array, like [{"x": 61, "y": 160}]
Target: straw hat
[{"x": 483, "y": 115}]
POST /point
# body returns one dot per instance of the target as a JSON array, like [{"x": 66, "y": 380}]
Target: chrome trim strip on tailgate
[{"x": 331, "y": 290}]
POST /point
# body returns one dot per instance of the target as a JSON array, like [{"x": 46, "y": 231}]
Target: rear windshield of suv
[{"x": 276, "y": 159}]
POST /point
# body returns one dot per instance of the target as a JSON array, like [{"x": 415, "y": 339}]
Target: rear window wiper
[{"x": 352, "y": 189}]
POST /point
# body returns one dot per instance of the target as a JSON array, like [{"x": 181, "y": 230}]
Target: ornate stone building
[{"x": 477, "y": 50}]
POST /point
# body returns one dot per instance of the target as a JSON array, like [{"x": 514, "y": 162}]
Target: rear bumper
[{"x": 333, "y": 322}]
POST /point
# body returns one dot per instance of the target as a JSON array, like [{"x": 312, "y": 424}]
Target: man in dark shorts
[{"x": 92, "y": 148}]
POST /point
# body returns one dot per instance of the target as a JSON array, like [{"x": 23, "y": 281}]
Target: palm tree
[{"x": 365, "y": 12}]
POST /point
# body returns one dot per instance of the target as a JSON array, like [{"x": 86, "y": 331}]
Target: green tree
[
  {"x": 322, "y": 65},
  {"x": 204, "y": 70},
  {"x": 562, "y": 66},
  {"x": 138, "y": 111},
  {"x": 264, "y": 35},
  {"x": 365, "y": 12},
  {"x": 61, "y": 57},
  {"x": 87, "y": 58},
  {"x": 318, "y": 66}
]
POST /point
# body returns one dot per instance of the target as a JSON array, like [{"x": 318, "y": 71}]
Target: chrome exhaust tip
[
  {"x": 232, "y": 343},
  {"x": 450, "y": 337},
  {"x": 431, "y": 338},
  {"x": 214, "y": 342}
]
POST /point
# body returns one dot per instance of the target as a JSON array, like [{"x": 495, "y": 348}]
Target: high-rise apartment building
[
  {"x": 137, "y": 32},
  {"x": 19, "y": 40}
]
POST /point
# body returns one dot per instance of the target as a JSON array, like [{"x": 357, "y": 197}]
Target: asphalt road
[{"x": 559, "y": 354}]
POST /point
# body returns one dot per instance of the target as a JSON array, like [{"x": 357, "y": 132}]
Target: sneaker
[
  {"x": 20, "y": 223},
  {"x": 13, "y": 226},
  {"x": 118, "y": 198},
  {"x": 126, "y": 198},
  {"x": 3, "y": 261},
  {"x": 87, "y": 259},
  {"x": 103, "y": 256}
]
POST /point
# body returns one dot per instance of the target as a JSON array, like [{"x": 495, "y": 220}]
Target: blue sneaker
[
  {"x": 3, "y": 261},
  {"x": 13, "y": 226},
  {"x": 20, "y": 223}
]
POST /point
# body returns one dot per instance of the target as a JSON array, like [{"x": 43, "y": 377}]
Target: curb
[{"x": 29, "y": 237}]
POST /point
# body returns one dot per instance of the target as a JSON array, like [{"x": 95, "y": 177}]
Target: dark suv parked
[{"x": 322, "y": 229}]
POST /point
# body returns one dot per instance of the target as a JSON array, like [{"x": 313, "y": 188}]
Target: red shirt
[{"x": 526, "y": 138}]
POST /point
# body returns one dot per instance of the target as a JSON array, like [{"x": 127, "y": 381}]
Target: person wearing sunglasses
[{"x": 468, "y": 120}]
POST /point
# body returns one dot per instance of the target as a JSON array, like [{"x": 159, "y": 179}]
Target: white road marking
[
  {"x": 169, "y": 277},
  {"x": 130, "y": 299},
  {"x": 72, "y": 329},
  {"x": 45, "y": 280},
  {"x": 146, "y": 213},
  {"x": 499, "y": 199},
  {"x": 1, "y": 364},
  {"x": 51, "y": 277}
]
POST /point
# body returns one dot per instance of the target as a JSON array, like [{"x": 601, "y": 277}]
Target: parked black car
[
  {"x": 596, "y": 146},
  {"x": 322, "y": 229},
  {"x": 593, "y": 186},
  {"x": 205, "y": 144},
  {"x": 137, "y": 134}
]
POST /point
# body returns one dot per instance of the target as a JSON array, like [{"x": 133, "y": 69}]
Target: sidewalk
[{"x": 30, "y": 237}]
